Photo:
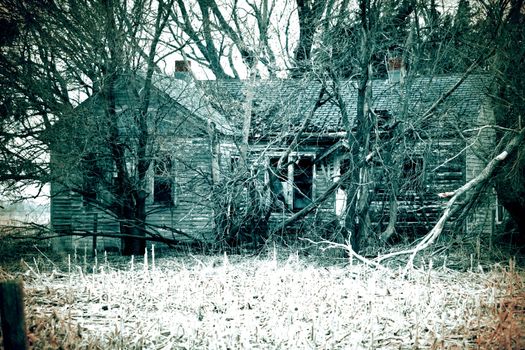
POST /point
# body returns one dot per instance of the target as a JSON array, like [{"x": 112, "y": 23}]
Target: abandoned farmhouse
[{"x": 208, "y": 174}]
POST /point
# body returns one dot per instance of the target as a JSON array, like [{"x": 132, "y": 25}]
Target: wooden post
[
  {"x": 12, "y": 315},
  {"x": 95, "y": 231}
]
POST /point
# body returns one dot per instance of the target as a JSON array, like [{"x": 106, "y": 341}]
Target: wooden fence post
[{"x": 12, "y": 315}]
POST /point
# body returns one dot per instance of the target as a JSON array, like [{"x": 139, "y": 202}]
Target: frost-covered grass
[{"x": 276, "y": 301}]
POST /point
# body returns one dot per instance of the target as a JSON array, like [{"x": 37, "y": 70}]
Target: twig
[{"x": 45, "y": 256}]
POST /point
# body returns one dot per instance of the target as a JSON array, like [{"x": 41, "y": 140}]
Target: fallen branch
[
  {"x": 482, "y": 177},
  {"x": 350, "y": 251},
  {"x": 313, "y": 205},
  {"x": 42, "y": 232}
]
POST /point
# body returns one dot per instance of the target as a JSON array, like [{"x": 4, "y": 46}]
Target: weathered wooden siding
[
  {"x": 186, "y": 141},
  {"x": 70, "y": 214},
  {"x": 419, "y": 206},
  {"x": 180, "y": 131},
  {"x": 482, "y": 144},
  {"x": 191, "y": 211}
]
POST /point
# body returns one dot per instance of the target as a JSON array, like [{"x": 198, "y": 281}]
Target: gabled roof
[
  {"x": 282, "y": 104},
  {"x": 173, "y": 103},
  {"x": 191, "y": 97}
]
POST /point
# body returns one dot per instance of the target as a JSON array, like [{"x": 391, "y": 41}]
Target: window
[
  {"x": 235, "y": 161},
  {"x": 344, "y": 167},
  {"x": 413, "y": 171},
  {"x": 412, "y": 179},
  {"x": 384, "y": 118},
  {"x": 89, "y": 197},
  {"x": 89, "y": 190},
  {"x": 93, "y": 173},
  {"x": 500, "y": 212},
  {"x": 412, "y": 168},
  {"x": 163, "y": 181}
]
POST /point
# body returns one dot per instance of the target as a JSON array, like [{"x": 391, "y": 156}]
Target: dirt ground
[{"x": 278, "y": 299}]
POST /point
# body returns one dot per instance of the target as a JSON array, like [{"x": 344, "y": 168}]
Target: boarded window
[
  {"x": 303, "y": 178},
  {"x": 163, "y": 181}
]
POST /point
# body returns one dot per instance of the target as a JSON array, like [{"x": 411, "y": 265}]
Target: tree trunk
[
  {"x": 220, "y": 205},
  {"x": 133, "y": 223},
  {"x": 517, "y": 213},
  {"x": 359, "y": 202},
  {"x": 392, "y": 218},
  {"x": 511, "y": 195},
  {"x": 310, "y": 14}
]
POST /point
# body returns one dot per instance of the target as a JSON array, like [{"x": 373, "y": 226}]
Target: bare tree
[
  {"x": 73, "y": 52},
  {"x": 227, "y": 38},
  {"x": 377, "y": 36}
]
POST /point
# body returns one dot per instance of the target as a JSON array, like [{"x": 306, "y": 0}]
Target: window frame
[
  {"x": 500, "y": 212},
  {"x": 295, "y": 187},
  {"x": 340, "y": 194},
  {"x": 288, "y": 183}
]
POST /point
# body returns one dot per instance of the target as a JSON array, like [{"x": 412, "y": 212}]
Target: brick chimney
[
  {"x": 396, "y": 69},
  {"x": 183, "y": 69}
]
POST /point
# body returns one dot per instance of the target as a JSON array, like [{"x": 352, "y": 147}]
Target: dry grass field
[{"x": 276, "y": 300}]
